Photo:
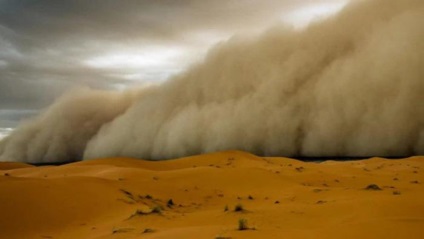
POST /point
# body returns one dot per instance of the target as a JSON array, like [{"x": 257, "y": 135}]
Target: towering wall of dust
[
  {"x": 61, "y": 133},
  {"x": 349, "y": 86}
]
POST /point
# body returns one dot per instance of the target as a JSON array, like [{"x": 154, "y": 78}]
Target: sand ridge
[{"x": 188, "y": 198}]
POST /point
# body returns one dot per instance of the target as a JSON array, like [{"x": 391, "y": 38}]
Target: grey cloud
[
  {"x": 129, "y": 19},
  {"x": 128, "y": 22},
  {"x": 44, "y": 44},
  {"x": 15, "y": 115}
]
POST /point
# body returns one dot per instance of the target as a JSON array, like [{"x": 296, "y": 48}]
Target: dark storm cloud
[
  {"x": 125, "y": 20},
  {"x": 47, "y": 47}
]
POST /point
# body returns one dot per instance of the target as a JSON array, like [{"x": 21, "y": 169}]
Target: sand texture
[{"x": 188, "y": 198}]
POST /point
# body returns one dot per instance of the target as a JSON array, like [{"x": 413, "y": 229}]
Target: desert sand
[{"x": 280, "y": 198}]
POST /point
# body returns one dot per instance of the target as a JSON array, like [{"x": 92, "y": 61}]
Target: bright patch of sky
[
  {"x": 5, "y": 132},
  {"x": 304, "y": 16},
  {"x": 158, "y": 63}
]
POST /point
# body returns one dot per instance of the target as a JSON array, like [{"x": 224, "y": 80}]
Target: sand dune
[{"x": 282, "y": 198}]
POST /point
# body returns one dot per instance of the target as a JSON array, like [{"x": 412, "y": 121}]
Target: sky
[{"x": 48, "y": 47}]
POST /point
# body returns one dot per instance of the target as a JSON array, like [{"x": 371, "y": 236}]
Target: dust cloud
[{"x": 351, "y": 85}]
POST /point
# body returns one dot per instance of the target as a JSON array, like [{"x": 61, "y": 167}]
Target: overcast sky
[{"x": 50, "y": 46}]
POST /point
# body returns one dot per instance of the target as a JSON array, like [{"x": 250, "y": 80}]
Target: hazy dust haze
[{"x": 351, "y": 85}]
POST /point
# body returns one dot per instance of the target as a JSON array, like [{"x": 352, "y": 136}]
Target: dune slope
[{"x": 188, "y": 198}]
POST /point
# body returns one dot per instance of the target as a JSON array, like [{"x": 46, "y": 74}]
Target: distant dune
[{"x": 188, "y": 198}]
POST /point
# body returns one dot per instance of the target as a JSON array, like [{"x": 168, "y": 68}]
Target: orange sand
[{"x": 289, "y": 198}]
